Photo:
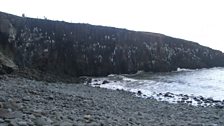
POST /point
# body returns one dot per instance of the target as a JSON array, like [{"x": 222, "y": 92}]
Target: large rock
[
  {"x": 82, "y": 49},
  {"x": 6, "y": 65}
]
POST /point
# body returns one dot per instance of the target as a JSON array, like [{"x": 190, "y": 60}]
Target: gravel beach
[{"x": 25, "y": 102}]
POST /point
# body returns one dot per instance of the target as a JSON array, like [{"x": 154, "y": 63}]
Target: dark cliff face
[{"x": 82, "y": 49}]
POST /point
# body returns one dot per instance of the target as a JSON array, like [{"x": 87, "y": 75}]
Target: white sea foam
[
  {"x": 183, "y": 69},
  {"x": 208, "y": 83}
]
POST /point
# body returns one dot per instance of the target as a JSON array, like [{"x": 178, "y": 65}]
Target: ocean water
[{"x": 208, "y": 83}]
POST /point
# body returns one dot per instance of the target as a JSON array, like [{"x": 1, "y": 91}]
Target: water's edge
[{"x": 201, "y": 87}]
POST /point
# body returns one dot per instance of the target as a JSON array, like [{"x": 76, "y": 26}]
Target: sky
[{"x": 201, "y": 21}]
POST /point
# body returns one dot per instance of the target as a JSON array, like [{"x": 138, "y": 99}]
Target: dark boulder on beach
[
  {"x": 81, "y": 49},
  {"x": 6, "y": 65}
]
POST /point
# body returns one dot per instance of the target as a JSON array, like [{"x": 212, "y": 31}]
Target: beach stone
[
  {"x": 139, "y": 93},
  {"x": 97, "y": 84},
  {"x": 2, "y": 99},
  {"x": 1, "y": 105},
  {"x": 168, "y": 94},
  {"x": 51, "y": 97},
  {"x": 94, "y": 124},
  {"x": 139, "y": 113},
  {"x": 31, "y": 117},
  {"x": 185, "y": 98},
  {"x": 105, "y": 82},
  {"x": 208, "y": 100},
  {"x": 37, "y": 112},
  {"x": 66, "y": 124},
  {"x": 42, "y": 121},
  {"x": 33, "y": 92},
  {"x": 12, "y": 105},
  {"x": 17, "y": 114},
  {"x": 70, "y": 118},
  {"x": 196, "y": 99},
  {"x": 5, "y": 114},
  {"x": 189, "y": 102},
  {"x": 219, "y": 106},
  {"x": 1, "y": 120},
  {"x": 22, "y": 123},
  {"x": 202, "y": 98},
  {"x": 216, "y": 101},
  {"x": 13, "y": 123},
  {"x": 27, "y": 98},
  {"x": 88, "y": 118}
]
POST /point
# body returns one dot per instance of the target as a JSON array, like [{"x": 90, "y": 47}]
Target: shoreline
[
  {"x": 31, "y": 102},
  {"x": 117, "y": 83}
]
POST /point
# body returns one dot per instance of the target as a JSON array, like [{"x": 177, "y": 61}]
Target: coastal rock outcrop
[
  {"x": 6, "y": 65},
  {"x": 83, "y": 49}
]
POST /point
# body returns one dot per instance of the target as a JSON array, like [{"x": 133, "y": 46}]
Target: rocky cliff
[{"x": 83, "y": 49}]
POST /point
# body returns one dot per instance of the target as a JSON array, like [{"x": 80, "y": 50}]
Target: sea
[{"x": 206, "y": 83}]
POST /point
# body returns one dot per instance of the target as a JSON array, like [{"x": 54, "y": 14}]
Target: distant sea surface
[{"x": 208, "y": 83}]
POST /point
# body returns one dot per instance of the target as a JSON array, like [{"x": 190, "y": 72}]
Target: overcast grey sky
[{"x": 201, "y": 21}]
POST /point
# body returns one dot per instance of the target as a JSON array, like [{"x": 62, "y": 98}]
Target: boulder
[{"x": 6, "y": 65}]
